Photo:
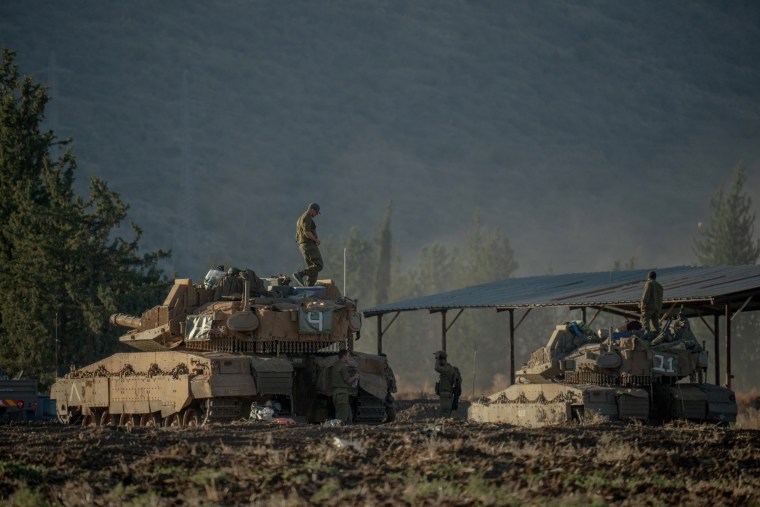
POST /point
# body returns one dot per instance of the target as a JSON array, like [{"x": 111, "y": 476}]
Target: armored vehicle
[
  {"x": 223, "y": 350},
  {"x": 615, "y": 375}
]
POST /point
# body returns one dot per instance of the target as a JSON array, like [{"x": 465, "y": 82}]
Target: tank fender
[
  {"x": 210, "y": 386},
  {"x": 602, "y": 400},
  {"x": 60, "y": 393},
  {"x": 141, "y": 395},
  {"x": 721, "y": 403},
  {"x": 372, "y": 374},
  {"x": 176, "y": 396},
  {"x": 82, "y": 393},
  {"x": 272, "y": 375}
]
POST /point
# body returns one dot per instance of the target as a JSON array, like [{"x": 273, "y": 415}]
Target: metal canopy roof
[{"x": 701, "y": 290}]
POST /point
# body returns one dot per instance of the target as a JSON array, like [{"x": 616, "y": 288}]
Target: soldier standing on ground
[
  {"x": 308, "y": 244},
  {"x": 651, "y": 304},
  {"x": 445, "y": 385},
  {"x": 390, "y": 379},
  {"x": 342, "y": 382}
]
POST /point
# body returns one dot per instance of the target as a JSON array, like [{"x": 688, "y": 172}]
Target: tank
[
  {"x": 242, "y": 347},
  {"x": 615, "y": 375}
]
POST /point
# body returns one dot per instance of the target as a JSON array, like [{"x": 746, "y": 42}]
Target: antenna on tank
[
  {"x": 344, "y": 271},
  {"x": 56, "y": 345}
]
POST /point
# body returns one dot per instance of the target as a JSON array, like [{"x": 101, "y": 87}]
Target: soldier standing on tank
[
  {"x": 444, "y": 388},
  {"x": 651, "y": 304},
  {"x": 308, "y": 244},
  {"x": 343, "y": 383},
  {"x": 390, "y": 380}
]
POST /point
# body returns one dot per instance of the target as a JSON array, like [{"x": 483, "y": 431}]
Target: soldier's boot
[{"x": 298, "y": 277}]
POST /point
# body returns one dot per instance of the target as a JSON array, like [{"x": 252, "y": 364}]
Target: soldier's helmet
[
  {"x": 233, "y": 272},
  {"x": 652, "y": 275},
  {"x": 441, "y": 354}
]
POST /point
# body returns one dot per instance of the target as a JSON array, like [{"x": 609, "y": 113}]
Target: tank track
[
  {"x": 369, "y": 410},
  {"x": 225, "y": 410}
]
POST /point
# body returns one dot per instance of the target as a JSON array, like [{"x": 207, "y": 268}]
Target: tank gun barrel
[{"x": 124, "y": 320}]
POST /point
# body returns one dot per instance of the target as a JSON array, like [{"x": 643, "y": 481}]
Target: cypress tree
[
  {"x": 729, "y": 237},
  {"x": 383, "y": 272}
]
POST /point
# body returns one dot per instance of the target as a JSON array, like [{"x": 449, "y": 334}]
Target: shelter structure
[{"x": 706, "y": 293}]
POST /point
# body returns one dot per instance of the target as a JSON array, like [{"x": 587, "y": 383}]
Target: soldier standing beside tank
[
  {"x": 444, "y": 388},
  {"x": 308, "y": 244},
  {"x": 343, "y": 383},
  {"x": 651, "y": 304},
  {"x": 390, "y": 379}
]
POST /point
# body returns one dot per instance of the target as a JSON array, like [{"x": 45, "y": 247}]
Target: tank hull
[
  {"x": 538, "y": 405},
  {"x": 176, "y": 388}
]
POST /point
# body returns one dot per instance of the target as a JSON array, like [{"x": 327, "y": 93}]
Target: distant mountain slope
[{"x": 587, "y": 131}]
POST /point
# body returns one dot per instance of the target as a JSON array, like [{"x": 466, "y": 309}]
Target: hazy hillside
[{"x": 588, "y": 131}]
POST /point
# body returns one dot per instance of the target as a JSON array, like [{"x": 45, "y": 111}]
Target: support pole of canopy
[
  {"x": 443, "y": 330},
  {"x": 583, "y": 313},
  {"x": 741, "y": 308},
  {"x": 381, "y": 331},
  {"x": 728, "y": 346},
  {"x": 511, "y": 346},
  {"x": 598, "y": 311},
  {"x": 716, "y": 349}
]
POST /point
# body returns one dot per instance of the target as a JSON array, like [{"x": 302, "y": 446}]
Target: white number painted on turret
[
  {"x": 662, "y": 363},
  {"x": 315, "y": 319}
]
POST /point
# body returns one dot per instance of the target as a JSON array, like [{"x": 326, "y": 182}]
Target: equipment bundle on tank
[
  {"x": 616, "y": 375},
  {"x": 221, "y": 351}
]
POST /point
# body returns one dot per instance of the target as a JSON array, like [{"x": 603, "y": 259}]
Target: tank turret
[
  {"x": 627, "y": 374},
  {"x": 577, "y": 355},
  {"x": 213, "y": 352}
]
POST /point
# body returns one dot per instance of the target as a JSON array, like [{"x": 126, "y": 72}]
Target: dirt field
[{"x": 415, "y": 461}]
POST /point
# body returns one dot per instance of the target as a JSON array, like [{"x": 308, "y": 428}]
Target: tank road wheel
[
  {"x": 150, "y": 420},
  {"x": 107, "y": 419},
  {"x": 173, "y": 421},
  {"x": 71, "y": 416},
  {"x": 191, "y": 417},
  {"x": 93, "y": 419},
  {"x": 127, "y": 420}
]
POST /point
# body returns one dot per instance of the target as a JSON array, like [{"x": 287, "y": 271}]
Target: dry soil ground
[{"x": 417, "y": 460}]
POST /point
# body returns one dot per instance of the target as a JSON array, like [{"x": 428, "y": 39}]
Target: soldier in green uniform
[
  {"x": 444, "y": 388},
  {"x": 651, "y": 304},
  {"x": 390, "y": 380},
  {"x": 342, "y": 383},
  {"x": 308, "y": 244}
]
